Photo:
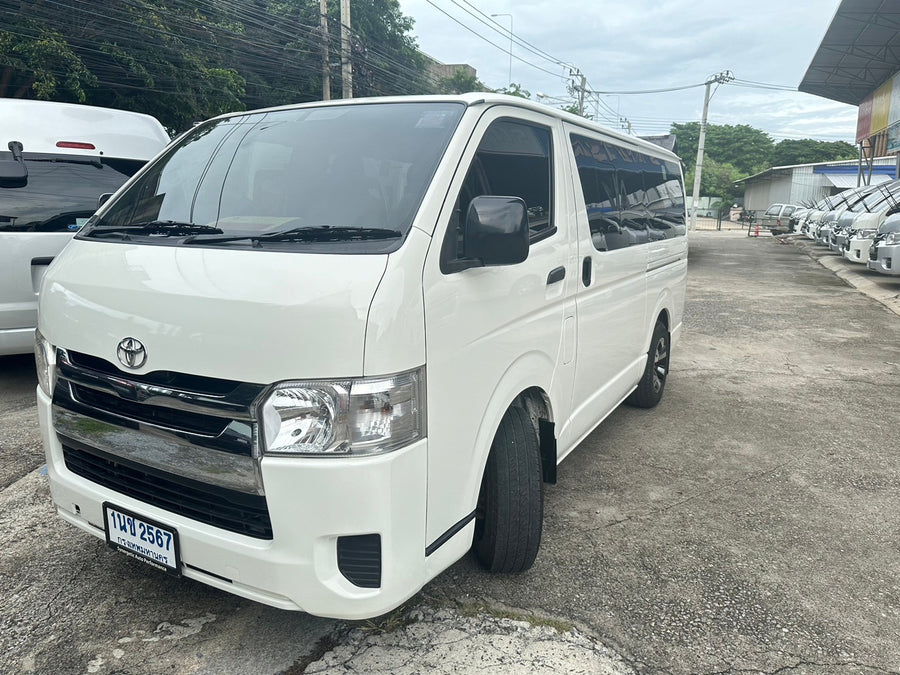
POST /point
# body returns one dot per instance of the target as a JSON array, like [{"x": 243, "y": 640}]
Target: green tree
[
  {"x": 37, "y": 62},
  {"x": 460, "y": 83},
  {"x": 386, "y": 59},
  {"x": 515, "y": 89},
  {"x": 809, "y": 151},
  {"x": 185, "y": 61},
  {"x": 573, "y": 108},
  {"x": 747, "y": 149},
  {"x": 717, "y": 181}
]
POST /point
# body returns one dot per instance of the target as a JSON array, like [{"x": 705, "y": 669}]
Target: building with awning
[
  {"x": 806, "y": 183},
  {"x": 858, "y": 63}
]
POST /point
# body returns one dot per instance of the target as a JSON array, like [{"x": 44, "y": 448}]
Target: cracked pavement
[{"x": 749, "y": 524}]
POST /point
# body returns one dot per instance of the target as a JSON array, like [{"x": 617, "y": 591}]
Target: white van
[
  {"x": 312, "y": 355},
  {"x": 56, "y": 159}
]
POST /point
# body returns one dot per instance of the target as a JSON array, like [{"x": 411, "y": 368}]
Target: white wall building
[{"x": 810, "y": 182}]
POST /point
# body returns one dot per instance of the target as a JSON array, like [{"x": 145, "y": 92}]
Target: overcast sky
[{"x": 628, "y": 45}]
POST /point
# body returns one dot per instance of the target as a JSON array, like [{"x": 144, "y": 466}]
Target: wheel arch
[
  {"x": 525, "y": 383},
  {"x": 661, "y": 312}
]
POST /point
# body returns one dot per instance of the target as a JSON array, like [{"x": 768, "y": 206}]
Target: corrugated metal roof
[
  {"x": 846, "y": 180},
  {"x": 860, "y": 51},
  {"x": 890, "y": 160}
]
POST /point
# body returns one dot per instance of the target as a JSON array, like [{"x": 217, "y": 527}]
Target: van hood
[{"x": 252, "y": 316}]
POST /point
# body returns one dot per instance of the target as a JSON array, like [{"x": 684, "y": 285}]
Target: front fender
[{"x": 530, "y": 370}]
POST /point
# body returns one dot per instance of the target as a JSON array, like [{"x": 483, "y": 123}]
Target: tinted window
[
  {"x": 630, "y": 198},
  {"x": 339, "y": 167},
  {"x": 512, "y": 160},
  {"x": 773, "y": 210},
  {"x": 61, "y": 193}
]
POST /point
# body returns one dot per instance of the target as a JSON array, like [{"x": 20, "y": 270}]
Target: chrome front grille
[{"x": 183, "y": 426}]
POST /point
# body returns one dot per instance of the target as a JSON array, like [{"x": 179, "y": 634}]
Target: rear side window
[
  {"x": 773, "y": 210},
  {"x": 61, "y": 192},
  {"x": 630, "y": 198}
]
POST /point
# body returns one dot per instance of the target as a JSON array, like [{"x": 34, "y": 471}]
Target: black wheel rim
[{"x": 660, "y": 363}]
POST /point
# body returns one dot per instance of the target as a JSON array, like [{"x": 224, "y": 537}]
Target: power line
[{"x": 494, "y": 44}]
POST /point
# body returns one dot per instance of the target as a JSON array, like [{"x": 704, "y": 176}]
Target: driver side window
[{"x": 514, "y": 159}]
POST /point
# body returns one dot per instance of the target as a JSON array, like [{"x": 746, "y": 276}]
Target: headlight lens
[
  {"x": 44, "y": 361},
  {"x": 340, "y": 418},
  {"x": 892, "y": 238}
]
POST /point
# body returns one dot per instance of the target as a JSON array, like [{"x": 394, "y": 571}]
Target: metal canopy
[{"x": 859, "y": 52}]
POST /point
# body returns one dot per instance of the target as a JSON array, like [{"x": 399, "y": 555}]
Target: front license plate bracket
[{"x": 142, "y": 538}]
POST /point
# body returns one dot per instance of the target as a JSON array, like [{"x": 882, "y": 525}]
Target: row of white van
[
  {"x": 861, "y": 225},
  {"x": 313, "y": 355}
]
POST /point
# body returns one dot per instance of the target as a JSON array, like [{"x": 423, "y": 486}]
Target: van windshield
[
  {"x": 346, "y": 177},
  {"x": 61, "y": 191}
]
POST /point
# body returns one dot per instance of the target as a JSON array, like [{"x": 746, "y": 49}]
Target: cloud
[{"x": 650, "y": 44}]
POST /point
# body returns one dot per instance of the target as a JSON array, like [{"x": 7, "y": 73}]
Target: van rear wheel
[
  {"x": 650, "y": 388},
  {"x": 509, "y": 516}
]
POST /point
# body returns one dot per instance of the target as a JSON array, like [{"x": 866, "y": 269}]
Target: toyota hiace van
[{"x": 313, "y": 355}]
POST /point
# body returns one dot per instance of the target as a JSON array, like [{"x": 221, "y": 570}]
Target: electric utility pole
[
  {"x": 720, "y": 78},
  {"x": 580, "y": 87},
  {"x": 326, "y": 69},
  {"x": 346, "y": 65}
]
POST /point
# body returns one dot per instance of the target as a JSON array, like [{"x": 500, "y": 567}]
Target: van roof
[
  {"x": 70, "y": 129},
  {"x": 485, "y": 98}
]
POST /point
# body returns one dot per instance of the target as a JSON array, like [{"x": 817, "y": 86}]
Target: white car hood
[{"x": 252, "y": 316}]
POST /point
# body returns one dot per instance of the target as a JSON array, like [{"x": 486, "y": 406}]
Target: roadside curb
[{"x": 850, "y": 275}]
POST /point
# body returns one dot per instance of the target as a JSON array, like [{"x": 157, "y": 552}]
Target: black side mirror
[
  {"x": 496, "y": 231},
  {"x": 103, "y": 199}
]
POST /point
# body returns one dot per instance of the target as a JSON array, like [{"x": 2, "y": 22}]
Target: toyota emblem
[{"x": 131, "y": 353}]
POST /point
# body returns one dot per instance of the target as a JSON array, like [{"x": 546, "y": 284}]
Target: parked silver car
[{"x": 777, "y": 218}]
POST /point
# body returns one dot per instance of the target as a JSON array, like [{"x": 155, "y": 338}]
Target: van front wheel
[
  {"x": 650, "y": 388},
  {"x": 508, "y": 519}
]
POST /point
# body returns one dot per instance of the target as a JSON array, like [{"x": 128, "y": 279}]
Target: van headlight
[
  {"x": 344, "y": 418},
  {"x": 892, "y": 238},
  {"x": 45, "y": 362}
]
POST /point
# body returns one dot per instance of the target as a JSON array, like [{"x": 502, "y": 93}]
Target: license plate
[{"x": 142, "y": 538}]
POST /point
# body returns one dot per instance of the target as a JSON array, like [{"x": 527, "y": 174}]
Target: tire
[
  {"x": 510, "y": 512},
  {"x": 652, "y": 383}
]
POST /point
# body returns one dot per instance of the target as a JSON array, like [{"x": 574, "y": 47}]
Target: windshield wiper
[
  {"x": 167, "y": 228},
  {"x": 316, "y": 233}
]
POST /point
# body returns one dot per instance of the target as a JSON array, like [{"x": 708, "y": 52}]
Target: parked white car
[
  {"x": 56, "y": 160},
  {"x": 884, "y": 254}
]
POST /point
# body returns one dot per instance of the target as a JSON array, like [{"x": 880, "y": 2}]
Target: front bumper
[
  {"x": 858, "y": 251},
  {"x": 887, "y": 260},
  {"x": 311, "y": 502}
]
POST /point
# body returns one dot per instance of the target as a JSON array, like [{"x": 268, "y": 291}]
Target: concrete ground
[{"x": 747, "y": 524}]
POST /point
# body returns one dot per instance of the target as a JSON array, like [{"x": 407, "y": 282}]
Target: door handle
[
  {"x": 586, "y": 268},
  {"x": 556, "y": 275}
]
